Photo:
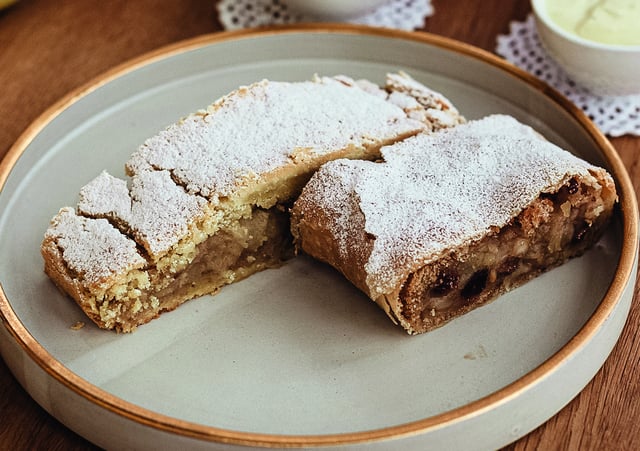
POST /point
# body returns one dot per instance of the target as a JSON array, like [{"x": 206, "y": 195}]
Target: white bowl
[
  {"x": 334, "y": 9},
  {"x": 604, "y": 69}
]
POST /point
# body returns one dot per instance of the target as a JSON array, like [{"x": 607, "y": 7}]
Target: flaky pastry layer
[
  {"x": 446, "y": 222},
  {"x": 207, "y": 198}
]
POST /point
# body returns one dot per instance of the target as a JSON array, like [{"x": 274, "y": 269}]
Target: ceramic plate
[{"x": 296, "y": 356}]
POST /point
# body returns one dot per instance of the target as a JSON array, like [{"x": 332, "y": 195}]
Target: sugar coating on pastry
[
  {"x": 265, "y": 126},
  {"x": 432, "y": 195},
  {"x": 206, "y": 200},
  {"x": 466, "y": 181},
  {"x": 77, "y": 232},
  {"x": 92, "y": 248},
  {"x": 154, "y": 210}
]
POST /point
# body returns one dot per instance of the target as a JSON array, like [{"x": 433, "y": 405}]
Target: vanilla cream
[{"x": 605, "y": 21}]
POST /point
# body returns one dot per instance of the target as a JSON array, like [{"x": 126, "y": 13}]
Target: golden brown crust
[
  {"x": 504, "y": 259},
  {"x": 186, "y": 222},
  {"x": 56, "y": 269},
  {"x": 426, "y": 257}
]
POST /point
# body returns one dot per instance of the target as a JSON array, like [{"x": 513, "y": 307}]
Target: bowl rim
[
  {"x": 540, "y": 12},
  {"x": 327, "y": 9}
]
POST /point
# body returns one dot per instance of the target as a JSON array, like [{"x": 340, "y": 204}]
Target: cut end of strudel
[
  {"x": 207, "y": 199},
  {"x": 447, "y": 222}
]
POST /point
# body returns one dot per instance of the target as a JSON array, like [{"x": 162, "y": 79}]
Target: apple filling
[
  {"x": 248, "y": 245},
  {"x": 554, "y": 228}
]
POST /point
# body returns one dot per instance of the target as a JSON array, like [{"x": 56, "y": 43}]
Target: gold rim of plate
[{"x": 114, "y": 404}]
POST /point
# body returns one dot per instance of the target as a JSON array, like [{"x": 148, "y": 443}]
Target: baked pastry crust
[
  {"x": 449, "y": 221},
  {"x": 206, "y": 200}
]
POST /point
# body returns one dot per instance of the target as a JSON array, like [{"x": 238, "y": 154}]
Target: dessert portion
[
  {"x": 446, "y": 222},
  {"x": 207, "y": 199}
]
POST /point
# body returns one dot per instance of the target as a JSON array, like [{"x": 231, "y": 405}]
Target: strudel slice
[
  {"x": 448, "y": 221},
  {"x": 207, "y": 200}
]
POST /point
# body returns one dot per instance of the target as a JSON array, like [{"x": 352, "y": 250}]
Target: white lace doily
[
  {"x": 399, "y": 14},
  {"x": 614, "y": 115}
]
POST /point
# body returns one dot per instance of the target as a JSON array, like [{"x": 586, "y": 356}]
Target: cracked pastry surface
[
  {"x": 206, "y": 199},
  {"x": 446, "y": 222}
]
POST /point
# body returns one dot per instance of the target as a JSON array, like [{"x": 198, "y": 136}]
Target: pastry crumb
[{"x": 77, "y": 325}]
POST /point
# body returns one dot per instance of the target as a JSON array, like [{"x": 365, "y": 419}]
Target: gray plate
[{"x": 296, "y": 356}]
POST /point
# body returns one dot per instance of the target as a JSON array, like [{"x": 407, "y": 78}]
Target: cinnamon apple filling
[
  {"x": 250, "y": 244},
  {"x": 201, "y": 204},
  {"x": 552, "y": 229},
  {"x": 446, "y": 222}
]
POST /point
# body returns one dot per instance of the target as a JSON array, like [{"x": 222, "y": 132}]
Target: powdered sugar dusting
[
  {"x": 338, "y": 182},
  {"x": 435, "y": 192},
  {"x": 184, "y": 170},
  {"x": 105, "y": 196},
  {"x": 422, "y": 103},
  {"x": 156, "y": 211},
  {"x": 92, "y": 248},
  {"x": 258, "y": 129}
]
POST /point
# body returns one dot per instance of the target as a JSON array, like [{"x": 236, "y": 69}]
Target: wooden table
[{"x": 49, "y": 47}]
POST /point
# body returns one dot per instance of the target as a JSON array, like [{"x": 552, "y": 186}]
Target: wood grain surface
[{"x": 49, "y": 47}]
